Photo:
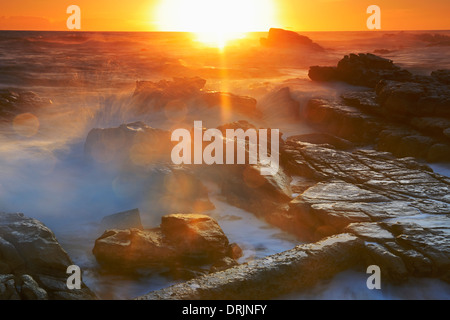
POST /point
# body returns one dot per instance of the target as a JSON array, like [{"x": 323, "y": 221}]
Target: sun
[{"x": 215, "y": 22}]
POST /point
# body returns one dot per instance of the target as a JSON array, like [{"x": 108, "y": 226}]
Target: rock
[
  {"x": 322, "y": 139},
  {"x": 405, "y": 99},
  {"x": 442, "y": 76},
  {"x": 132, "y": 248},
  {"x": 186, "y": 93},
  {"x": 279, "y": 38},
  {"x": 363, "y": 123},
  {"x": 139, "y": 158},
  {"x": 7, "y": 287},
  {"x": 371, "y": 186},
  {"x": 31, "y": 252},
  {"x": 363, "y": 100},
  {"x": 195, "y": 235},
  {"x": 270, "y": 277},
  {"x": 416, "y": 263},
  {"x": 133, "y": 143},
  {"x": 185, "y": 240},
  {"x": 122, "y": 220},
  {"x": 31, "y": 290},
  {"x": 279, "y": 105},
  {"x": 432, "y": 126},
  {"x": 323, "y": 74},
  {"x": 392, "y": 267},
  {"x": 370, "y": 232},
  {"x": 361, "y": 70},
  {"x": 234, "y": 251},
  {"x": 223, "y": 264},
  {"x": 14, "y": 102}
]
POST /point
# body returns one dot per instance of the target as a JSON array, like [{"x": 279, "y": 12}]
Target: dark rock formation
[
  {"x": 193, "y": 239},
  {"x": 272, "y": 276},
  {"x": 15, "y": 102},
  {"x": 364, "y": 69},
  {"x": 154, "y": 96},
  {"x": 134, "y": 143},
  {"x": 32, "y": 263},
  {"x": 405, "y": 99},
  {"x": 279, "y": 38},
  {"x": 364, "y": 122}
]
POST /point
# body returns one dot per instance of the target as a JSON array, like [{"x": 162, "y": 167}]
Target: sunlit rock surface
[
  {"x": 182, "y": 240},
  {"x": 282, "y": 39}
]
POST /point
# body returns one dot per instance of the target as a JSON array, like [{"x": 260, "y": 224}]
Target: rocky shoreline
[{"x": 357, "y": 191}]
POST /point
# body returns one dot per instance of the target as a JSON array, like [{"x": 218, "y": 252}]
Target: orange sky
[{"x": 299, "y": 15}]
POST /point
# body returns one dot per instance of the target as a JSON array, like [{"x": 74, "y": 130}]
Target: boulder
[
  {"x": 186, "y": 240},
  {"x": 363, "y": 69},
  {"x": 195, "y": 234},
  {"x": 31, "y": 252},
  {"x": 279, "y": 38}
]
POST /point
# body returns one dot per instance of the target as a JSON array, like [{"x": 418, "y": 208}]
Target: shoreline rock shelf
[
  {"x": 32, "y": 263},
  {"x": 272, "y": 276}
]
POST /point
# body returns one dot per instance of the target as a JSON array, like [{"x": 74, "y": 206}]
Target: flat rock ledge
[{"x": 272, "y": 276}]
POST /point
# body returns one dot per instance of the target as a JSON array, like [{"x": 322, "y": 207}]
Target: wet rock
[
  {"x": 323, "y": 139},
  {"x": 279, "y": 38},
  {"x": 356, "y": 125},
  {"x": 7, "y": 287},
  {"x": 442, "y": 76},
  {"x": 272, "y": 276},
  {"x": 195, "y": 234},
  {"x": 416, "y": 263},
  {"x": 223, "y": 264},
  {"x": 359, "y": 186},
  {"x": 370, "y": 232},
  {"x": 280, "y": 106},
  {"x": 133, "y": 143},
  {"x": 186, "y": 93},
  {"x": 405, "y": 99},
  {"x": 323, "y": 74},
  {"x": 14, "y": 102},
  {"x": 361, "y": 70},
  {"x": 132, "y": 248},
  {"x": 31, "y": 290},
  {"x": 31, "y": 251},
  {"x": 392, "y": 267},
  {"x": 122, "y": 220},
  {"x": 235, "y": 251},
  {"x": 189, "y": 239}
]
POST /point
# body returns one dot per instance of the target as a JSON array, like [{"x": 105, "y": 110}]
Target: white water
[{"x": 351, "y": 285}]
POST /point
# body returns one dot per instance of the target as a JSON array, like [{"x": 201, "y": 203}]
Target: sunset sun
[{"x": 215, "y": 22}]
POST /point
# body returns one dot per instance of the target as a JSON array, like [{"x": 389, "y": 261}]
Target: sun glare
[{"x": 215, "y": 22}]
